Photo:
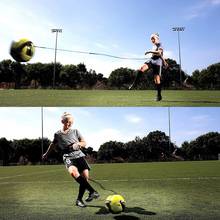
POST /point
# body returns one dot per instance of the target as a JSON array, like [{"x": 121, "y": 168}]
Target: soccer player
[
  {"x": 70, "y": 141},
  {"x": 155, "y": 63}
]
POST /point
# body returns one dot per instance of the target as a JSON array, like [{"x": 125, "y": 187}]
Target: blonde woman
[
  {"x": 155, "y": 63},
  {"x": 70, "y": 142}
]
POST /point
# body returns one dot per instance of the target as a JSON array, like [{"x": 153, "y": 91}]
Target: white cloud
[
  {"x": 100, "y": 45},
  {"x": 107, "y": 65},
  {"x": 133, "y": 119},
  {"x": 215, "y": 2},
  {"x": 52, "y": 109},
  {"x": 169, "y": 54},
  {"x": 201, "y": 118},
  {"x": 201, "y": 8},
  {"x": 96, "y": 139},
  {"x": 21, "y": 22},
  {"x": 18, "y": 123}
]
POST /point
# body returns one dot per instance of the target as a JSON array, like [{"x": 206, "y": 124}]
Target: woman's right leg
[
  {"x": 144, "y": 68},
  {"x": 92, "y": 193},
  {"x": 73, "y": 171}
]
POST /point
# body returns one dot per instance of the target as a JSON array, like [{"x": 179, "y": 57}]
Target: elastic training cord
[
  {"x": 101, "y": 186},
  {"x": 92, "y": 53}
]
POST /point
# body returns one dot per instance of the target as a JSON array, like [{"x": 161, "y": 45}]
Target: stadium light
[
  {"x": 55, "y": 57},
  {"x": 178, "y": 29},
  {"x": 42, "y": 131},
  {"x": 169, "y": 129}
]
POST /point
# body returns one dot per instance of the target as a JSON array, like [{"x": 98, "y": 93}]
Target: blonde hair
[
  {"x": 156, "y": 36},
  {"x": 65, "y": 116}
]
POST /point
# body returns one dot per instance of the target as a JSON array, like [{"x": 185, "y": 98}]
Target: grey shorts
[
  {"x": 80, "y": 163},
  {"x": 155, "y": 65}
]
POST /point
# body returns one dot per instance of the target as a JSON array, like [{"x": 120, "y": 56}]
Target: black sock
[
  {"x": 158, "y": 86},
  {"x": 82, "y": 181},
  {"x": 137, "y": 77},
  {"x": 82, "y": 190}
]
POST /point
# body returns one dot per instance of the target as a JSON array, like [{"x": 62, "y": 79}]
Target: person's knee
[
  {"x": 144, "y": 68},
  {"x": 73, "y": 171},
  {"x": 157, "y": 79},
  {"x": 85, "y": 174},
  {"x": 141, "y": 69}
]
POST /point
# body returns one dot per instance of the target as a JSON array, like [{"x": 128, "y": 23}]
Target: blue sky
[
  {"x": 117, "y": 27},
  {"x": 99, "y": 125}
]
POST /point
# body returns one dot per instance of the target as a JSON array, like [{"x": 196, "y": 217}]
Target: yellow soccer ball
[
  {"x": 115, "y": 204},
  {"x": 22, "y": 50}
]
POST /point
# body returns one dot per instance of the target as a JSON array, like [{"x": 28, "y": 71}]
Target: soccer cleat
[
  {"x": 131, "y": 86},
  {"x": 159, "y": 98},
  {"x": 93, "y": 195},
  {"x": 80, "y": 203}
]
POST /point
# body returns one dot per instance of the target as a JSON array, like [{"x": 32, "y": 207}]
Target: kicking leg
[
  {"x": 145, "y": 67},
  {"x": 75, "y": 174},
  {"x": 92, "y": 193}
]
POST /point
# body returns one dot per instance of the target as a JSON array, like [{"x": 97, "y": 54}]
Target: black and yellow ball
[
  {"x": 22, "y": 50},
  {"x": 115, "y": 204}
]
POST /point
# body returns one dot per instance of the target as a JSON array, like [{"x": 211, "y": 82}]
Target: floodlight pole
[
  {"x": 42, "y": 131},
  {"x": 55, "y": 56},
  {"x": 169, "y": 129},
  {"x": 178, "y": 29}
]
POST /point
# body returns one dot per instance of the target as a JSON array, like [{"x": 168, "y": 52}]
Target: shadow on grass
[
  {"x": 138, "y": 210},
  {"x": 193, "y": 101},
  {"x": 126, "y": 217}
]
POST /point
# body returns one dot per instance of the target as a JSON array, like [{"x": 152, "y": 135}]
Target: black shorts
[
  {"x": 156, "y": 68},
  {"x": 80, "y": 163}
]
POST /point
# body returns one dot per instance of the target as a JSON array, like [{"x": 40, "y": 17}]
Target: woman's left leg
[
  {"x": 157, "y": 81},
  {"x": 93, "y": 194}
]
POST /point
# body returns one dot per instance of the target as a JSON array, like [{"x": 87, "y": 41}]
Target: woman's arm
[
  {"x": 82, "y": 143},
  {"x": 49, "y": 149},
  {"x": 158, "y": 52},
  {"x": 78, "y": 145}
]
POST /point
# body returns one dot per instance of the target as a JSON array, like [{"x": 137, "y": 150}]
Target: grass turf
[
  {"x": 169, "y": 190},
  {"x": 41, "y": 97}
]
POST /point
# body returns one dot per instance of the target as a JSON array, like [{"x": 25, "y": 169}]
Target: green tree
[
  {"x": 6, "y": 151},
  {"x": 70, "y": 76},
  {"x": 204, "y": 147},
  {"x": 171, "y": 75},
  {"x": 158, "y": 143},
  {"x": 18, "y": 72},
  {"x": 120, "y": 78},
  {"x": 208, "y": 78},
  {"x": 137, "y": 150},
  {"x": 110, "y": 150},
  {"x": 6, "y": 72}
]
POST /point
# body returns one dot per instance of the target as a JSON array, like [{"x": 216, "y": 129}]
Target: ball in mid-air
[
  {"x": 115, "y": 204},
  {"x": 22, "y": 50}
]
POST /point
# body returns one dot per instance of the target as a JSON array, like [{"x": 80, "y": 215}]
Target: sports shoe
[
  {"x": 80, "y": 203},
  {"x": 131, "y": 86},
  {"x": 159, "y": 98},
  {"x": 93, "y": 195}
]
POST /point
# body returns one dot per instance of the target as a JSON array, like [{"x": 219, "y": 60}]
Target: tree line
[
  {"x": 40, "y": 75},
  {"x": 155, "y": 146}
]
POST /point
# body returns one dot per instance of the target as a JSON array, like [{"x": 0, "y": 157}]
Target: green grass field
[
  {"x": 56, "y": 98},
  {"x": 169, "y": 190}
]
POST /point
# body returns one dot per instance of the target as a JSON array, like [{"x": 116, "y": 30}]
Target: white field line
[
  {"x": 121, "y": 180},
  {"x": 30, "y": 174}
]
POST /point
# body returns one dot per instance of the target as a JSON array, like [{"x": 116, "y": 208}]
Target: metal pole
[
  {"x": 42, "y": 131},
  {"x": 178, "y": 29},
  {"x": 55, "y": 59},
  {"x": 55, "y": 56},
  {"x": 169, "y": 129},
  {"x": 180, "y": 57}
]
